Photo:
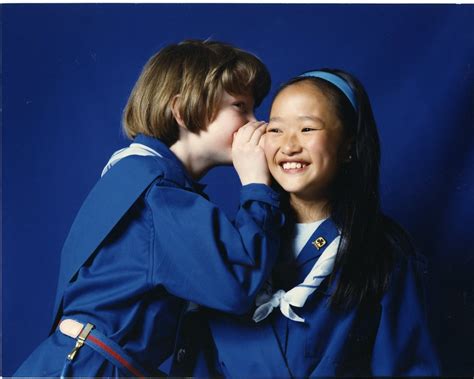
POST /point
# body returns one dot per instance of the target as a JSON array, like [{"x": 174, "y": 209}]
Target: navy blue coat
[
  {"x": 388, "y": 337},
  {"x": 172, "y": 246}
]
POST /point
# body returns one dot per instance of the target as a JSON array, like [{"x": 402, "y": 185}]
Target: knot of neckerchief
[{"x": 297, "y": 296}]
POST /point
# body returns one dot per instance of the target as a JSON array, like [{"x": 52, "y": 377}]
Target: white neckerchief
[
  {"x": 133, "y": 149},
  {"x": 297, "y": 296}
]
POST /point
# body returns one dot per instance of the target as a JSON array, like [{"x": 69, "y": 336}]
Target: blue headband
[{"x": 336, "y": 80}]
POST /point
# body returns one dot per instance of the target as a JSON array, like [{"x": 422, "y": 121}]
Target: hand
[{"x": 248, "y": 156}]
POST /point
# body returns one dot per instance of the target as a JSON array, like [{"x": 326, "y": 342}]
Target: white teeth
[{"x": 292, "y": 165}]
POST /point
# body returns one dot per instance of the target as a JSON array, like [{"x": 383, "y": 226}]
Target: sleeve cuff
[{"x": 259, "y": 192}]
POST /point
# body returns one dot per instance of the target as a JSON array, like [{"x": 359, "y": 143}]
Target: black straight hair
[{"x": 369, "y": 239}]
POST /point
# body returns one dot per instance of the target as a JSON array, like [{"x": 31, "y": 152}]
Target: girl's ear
[{"x": 175, "y": 109}]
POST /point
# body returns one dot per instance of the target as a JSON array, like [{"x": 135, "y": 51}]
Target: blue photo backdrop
[{"x": 68, "y": 71}]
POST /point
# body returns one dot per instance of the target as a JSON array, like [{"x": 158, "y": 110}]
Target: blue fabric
[
  {"x": 385, "y": 338},
  {"x": 172, "y": 245},
  {"x": 97, "y": 225}
]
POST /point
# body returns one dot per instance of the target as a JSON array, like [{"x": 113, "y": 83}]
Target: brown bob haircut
[{"x": 198, "y": 71}]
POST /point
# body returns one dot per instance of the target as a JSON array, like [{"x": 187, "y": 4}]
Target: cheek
[
  {"x": 227, "y": 123},
  {"x": 327, "y": 153},
  {"x": 232, "y": 126},
  {"x": 324, "y": 148},
  {"x": 227, "y": 134},
  {"x": 269, "y": 148},
  {"x": 235, "y": 126}
]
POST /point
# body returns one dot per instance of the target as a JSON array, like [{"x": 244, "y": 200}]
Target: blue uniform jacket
[
  {"x": 170, "y": 247},
  {"x": 388, "y": 337}
]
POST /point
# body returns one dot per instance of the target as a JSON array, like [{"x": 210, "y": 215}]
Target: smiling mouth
[{"x": 293, "y": 167}]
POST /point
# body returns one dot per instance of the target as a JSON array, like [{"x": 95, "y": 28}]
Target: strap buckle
[{"x": 80, "y": 340}]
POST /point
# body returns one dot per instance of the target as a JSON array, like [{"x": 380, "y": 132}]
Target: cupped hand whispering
[{"x": 247, "y": 154}]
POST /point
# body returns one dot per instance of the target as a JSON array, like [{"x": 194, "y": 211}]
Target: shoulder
[
  {"x": 395, "y": 238},
  {"x": 164, "y": 170},
  {"x": 407, "y": 260},
  {"x": 136, "y": 165},
  {"x": 399, "y": 243}
]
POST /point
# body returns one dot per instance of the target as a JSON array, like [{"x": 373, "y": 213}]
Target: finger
[
  {"x": 245, "y": 132},
  {"x": 257, "y": 134},
  {"x": 235, "y": 140},
  {"x": 261, "y": 143}
]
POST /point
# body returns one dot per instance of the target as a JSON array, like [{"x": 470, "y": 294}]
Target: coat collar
[
  {"x": 318, "y": 242},
  {"x": 177, "y": 172},
  {"x": 291, "y": 272}
]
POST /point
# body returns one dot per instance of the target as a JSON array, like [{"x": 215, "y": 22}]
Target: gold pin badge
[{"x": 319, "y": 242}]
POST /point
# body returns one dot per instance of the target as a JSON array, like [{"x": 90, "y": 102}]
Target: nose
[{"x": 291, "y": 145}]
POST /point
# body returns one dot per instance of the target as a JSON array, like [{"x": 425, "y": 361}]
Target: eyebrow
[{"x": 303, "y": 118}]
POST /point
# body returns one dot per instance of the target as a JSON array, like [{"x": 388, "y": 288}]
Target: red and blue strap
[{"x": 116, "y": 355}]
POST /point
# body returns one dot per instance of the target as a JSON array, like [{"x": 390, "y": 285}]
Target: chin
[{"x": 291, "y": 189}]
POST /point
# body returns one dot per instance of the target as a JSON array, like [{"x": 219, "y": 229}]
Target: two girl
[{"x": 345, "y": 296}]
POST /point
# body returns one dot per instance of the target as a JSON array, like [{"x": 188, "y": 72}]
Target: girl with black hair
[{"x": 346, "y": 297}]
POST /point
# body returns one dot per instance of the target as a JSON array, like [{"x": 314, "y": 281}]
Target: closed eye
[{"x": 241, "y": 106}]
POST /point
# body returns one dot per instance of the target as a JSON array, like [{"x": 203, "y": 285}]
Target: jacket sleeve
[
  {"x": 403, "y": 345},
  {"x": 201, "y": 256}
]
